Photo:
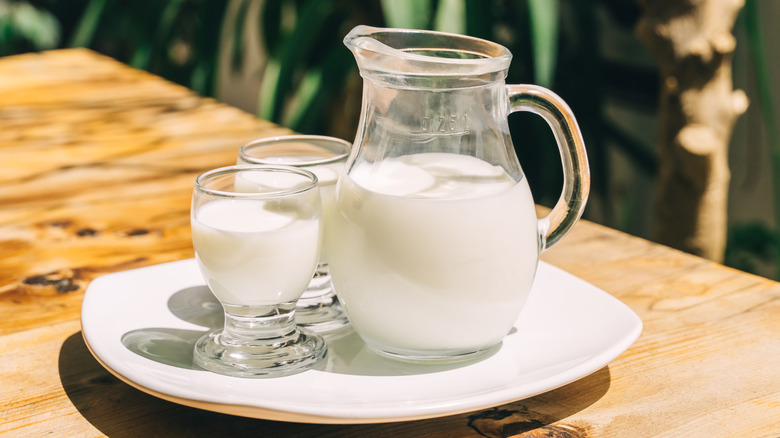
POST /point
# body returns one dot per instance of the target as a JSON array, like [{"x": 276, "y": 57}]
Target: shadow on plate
[
  {"x": 197, "y": 305},
  {"x": 167, "y": 346},
  {"x": 171, "y": 346},
  {"x": 118, "y": 410},
  {"x": 347, "y": 353}
]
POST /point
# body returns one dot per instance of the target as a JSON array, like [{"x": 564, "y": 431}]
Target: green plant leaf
[
  {"x": 238, "y": 24},
  {"x": 317, "y": 89},
  {"x": 165, "y": 36},
  {"x": 450, "y": 16},
  {"x": 268, "y": 93},
  {"x": 199, "y": 79},
  {"x": 304, "y": 98},
  {"x": 38, "y": 27},
  {"x": 88, "y": 24},
  {"x": 408, "y": 14},
  {"x": 293, "y": 57},
  {"x": 544, "y": 39}
]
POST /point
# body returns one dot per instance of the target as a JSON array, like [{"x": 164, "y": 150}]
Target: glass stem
[{"x": 244, "y": 323}]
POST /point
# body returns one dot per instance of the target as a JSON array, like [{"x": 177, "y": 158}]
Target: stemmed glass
[
  {"x": 256, "y": 233},
  {"x": 318, "y": 309}
]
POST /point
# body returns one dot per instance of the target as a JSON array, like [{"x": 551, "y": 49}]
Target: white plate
[{"x": 141, "y": 325}]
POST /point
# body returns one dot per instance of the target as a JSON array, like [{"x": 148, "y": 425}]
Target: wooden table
[{"x": 96, "y": 168}]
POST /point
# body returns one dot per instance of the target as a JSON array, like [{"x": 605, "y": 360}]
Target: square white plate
[{"x": 142, "y": 324}]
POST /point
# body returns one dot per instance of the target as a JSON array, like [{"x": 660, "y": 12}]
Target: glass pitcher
[{"x": 437, "y": 235}]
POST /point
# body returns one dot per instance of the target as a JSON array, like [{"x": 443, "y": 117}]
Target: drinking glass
[
  {"x": 256, "y": 232},
  {"x": 319, "y": 308}
]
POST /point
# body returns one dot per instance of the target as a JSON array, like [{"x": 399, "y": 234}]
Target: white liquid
[
  {"x": 253, "y": 253},
  {"x": 430, "y": 259},
  {"x": 327, "y": 176}
]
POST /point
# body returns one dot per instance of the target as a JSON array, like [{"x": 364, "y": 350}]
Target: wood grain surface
[{"x": 97, "y": 162}]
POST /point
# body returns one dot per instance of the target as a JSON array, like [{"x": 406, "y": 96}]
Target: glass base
[
  {"x": 260, "y": 343},
  {"x": 319, "y": 309}
]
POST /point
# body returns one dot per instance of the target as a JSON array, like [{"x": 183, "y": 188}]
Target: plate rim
[{"x": 599, "y": 360}]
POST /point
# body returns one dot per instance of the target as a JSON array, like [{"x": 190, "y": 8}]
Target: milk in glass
[
  {"x": 327, "y": 176},
  {"x": 238, "y": 241},
  {"x": 417, "y": 235}
]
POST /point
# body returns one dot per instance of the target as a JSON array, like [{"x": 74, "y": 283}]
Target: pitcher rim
[{"x": 363, "y": 37}]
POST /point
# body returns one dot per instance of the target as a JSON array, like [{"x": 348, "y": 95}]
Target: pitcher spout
[{"x": 389, "y": 53}]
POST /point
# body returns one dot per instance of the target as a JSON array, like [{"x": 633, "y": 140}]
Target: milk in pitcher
[{"x": 416, "y": 236}]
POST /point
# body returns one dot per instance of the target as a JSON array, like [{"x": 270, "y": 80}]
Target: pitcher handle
[{"x": 576, "y": 174}]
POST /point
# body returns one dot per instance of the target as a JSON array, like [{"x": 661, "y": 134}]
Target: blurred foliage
[
  {"x": 177, "y": 39},
  {"x": 743, "y": 238},
  {"x": 307, "y": 69},
  {"x": 25, "y": 27},
  {"x": 308, "y": 73},
  {"x": 752, "y": 247},
  {"x": 307, "y": 65}
]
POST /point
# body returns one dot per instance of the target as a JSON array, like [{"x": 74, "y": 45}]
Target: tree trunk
[{"x": 693, "y": 43}]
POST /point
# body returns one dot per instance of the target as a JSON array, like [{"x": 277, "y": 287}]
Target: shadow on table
[{"x": 119, "y": 410}]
